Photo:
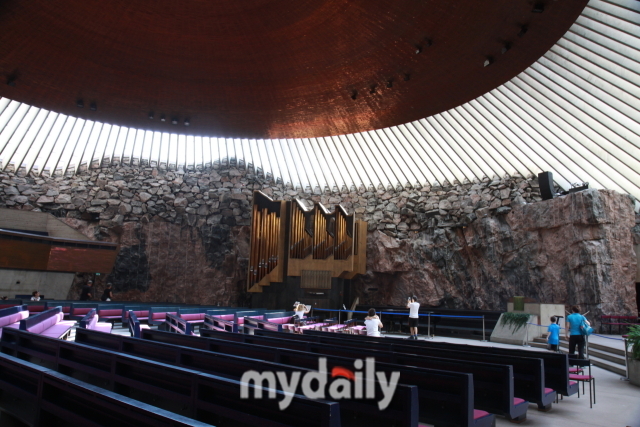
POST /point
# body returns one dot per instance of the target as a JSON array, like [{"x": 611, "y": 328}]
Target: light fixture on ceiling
[
  {"x": 354, "y": 95},
  {"x": 151, "y": 115},
  {"x": 80, "y": 103},
  {"x": 418, "y": 49},
  {"x": 505, "y": 48},
  {"x": 93, "y": 106},
  {"x": 174, "y": 120},
  {"x": 523, "y": 30},
  {"x": 488, "y": 61},
  {"x": 163, "y": 118},
  {"x": 11, "y": 80},
  {"x": 187, "y": 122},
  {"x": 538, "y": 8}
]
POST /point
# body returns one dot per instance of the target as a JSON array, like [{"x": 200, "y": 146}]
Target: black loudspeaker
[{"x": 545, "y": 179}]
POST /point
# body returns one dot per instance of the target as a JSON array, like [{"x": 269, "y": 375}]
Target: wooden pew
[
  {"x": 556, "y": 365},
  {"x": 445, "y": 398},
  {"x": 493, "y": 383},
  {"x": 33, "y": 395},
  {"x": 204, "y": 397},
  {"x": 529, "y": 383},
  {"x": 402, "y": 411},
  {"x": 175, "y": 324},
  {"x": 79, "y": 309},
  {"x": 48, "y": 323},
  {"x": 134, "y": 324},
  {"x": 218, "y": 323},
  {"x": 157, "y": 315},
  {"x": 90, "y": 321}
]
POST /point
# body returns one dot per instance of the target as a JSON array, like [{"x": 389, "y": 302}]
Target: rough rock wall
[
  {"x": 576, "y": 249},
  {"x": 184, "y": 236}
]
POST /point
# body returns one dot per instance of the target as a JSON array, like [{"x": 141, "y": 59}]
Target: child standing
[{"x": 553, "y": 336}]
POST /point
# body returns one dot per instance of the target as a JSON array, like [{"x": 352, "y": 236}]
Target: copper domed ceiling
[{"x": 268, "y": 68}]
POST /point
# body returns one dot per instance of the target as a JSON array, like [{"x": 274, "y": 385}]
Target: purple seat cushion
[
  {"x": 81, "y": 311},
  {"x": 193, "y": 317},
  {"x": 161, "y": 316},
  {"x": 280, "y": 320},
  {"x": 103, "y": 327},
  {"x": 477, "y": 414},
  {"x": 13, "y": 318},
  {"x": 59, "y": 329}
]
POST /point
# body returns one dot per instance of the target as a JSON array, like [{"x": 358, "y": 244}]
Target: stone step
[{"x": 601, "y": 356}]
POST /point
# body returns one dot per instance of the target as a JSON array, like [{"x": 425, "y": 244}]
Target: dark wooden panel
[
  {"x": 23, "y": 255},
  {"x": 79, "y": 259},
  {"x": 268, "y": 68}
]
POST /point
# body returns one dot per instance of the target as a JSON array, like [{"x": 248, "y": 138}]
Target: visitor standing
[
  {"x": 573, "y": 331},
  {"x": 107, "y": 294},
  {"x": 414, "y": 307},
  {"x": 87, "y": 291},
  {"x": 373, "y": 324},
  {"x": 553, "y": 334}
]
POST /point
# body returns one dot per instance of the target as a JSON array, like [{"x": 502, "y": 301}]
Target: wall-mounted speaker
[{"x": 547, "y": 191}]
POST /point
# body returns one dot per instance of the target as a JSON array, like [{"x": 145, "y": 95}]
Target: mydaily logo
[{"x": 344, "y": 384}]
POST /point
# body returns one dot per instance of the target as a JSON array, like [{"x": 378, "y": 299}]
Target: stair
[{"x": 608, "y": 358}]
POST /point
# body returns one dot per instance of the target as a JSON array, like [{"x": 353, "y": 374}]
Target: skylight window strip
[
  {"x": 338, "y": 168},
  {"x": 475, "y": 160},
  {"x": 571, "y": 128},
  {"x": 51, "y": 142},
  {"x": 145, "y": 149},
  {"x": 386, "y": 175},
  {"x": 181, "y": 152},
  {"x": 556, "y": 160},
  {"x": 321, "y": 173},
  {"x": 297, "y": 164},
  {"x": 514, "y": 160},
  {"x": 364, "y": 144},
  {"x": 10, "y": 129},
  {"x": 429, "y": 169},
  {"x": 74, "y": 152},
  {"x": 506, "y": 137},
  {"x": 411, "y": 155},
  {"x": 563, "y": 98},
  {"x": 59, "y": 166},
  {"x": 288, "y": 163},
  {"x": 623, "y": 31},
  {"x": 278, "y": 156},
  {"x": 393, "y": 158},
  {"x": 369, "y": 177},
  {"x": 327, "y": 170},
  {"x": 587, "y": 165},
  {"x": 264, "y": 158},
  {"x": 22, "y": 147},
  {"x": 621, "y": 119},
  {"x": 7, "y": 115},
  {"x": 222, "y": 149},
  {"x": 18, "y": 136},
  {"x": 352, "y": 163},
  {"x": 85, "y": 154},
  {"x": 33, "y": 151},
  {"x": 451, "y": 172},
  {"x": 231, "y": 154},
  {"x": 173, "y": 151},
  {"x": 488, "y": 164},
  {"x": 300, "y": 155},
  {"x": 255, "y": 155},
  {"x": 617, "y": 53},
  {"x": 4, "y": 103},
  {"x": 190, "y": 152},
  {"x": 357, "y": 161},
  {"x": 452, "y": 155},
  {"x": 101, "y": 145},
  {"x": 594, "y": 65}
]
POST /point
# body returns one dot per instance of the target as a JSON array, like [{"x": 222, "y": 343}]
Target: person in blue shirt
[
  {"x": 573, "y": 332},
  {"x": 553, "y": 336}
]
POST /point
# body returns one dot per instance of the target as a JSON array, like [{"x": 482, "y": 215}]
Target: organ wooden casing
[{"x": 313, "y": 243}]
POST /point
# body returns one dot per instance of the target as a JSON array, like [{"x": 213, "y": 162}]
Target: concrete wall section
[{"x": 50, "y": 284}]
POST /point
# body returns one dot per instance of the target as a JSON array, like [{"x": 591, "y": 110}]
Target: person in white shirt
[
  {"x": 35, "y": 296},
  {"x": 301, "y": 310},
  {"x": 373, "y": 324},
  {"x": 414, "y": 307}
]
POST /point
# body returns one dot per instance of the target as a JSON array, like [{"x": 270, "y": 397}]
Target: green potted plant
[{"x": 633, "y": 343}]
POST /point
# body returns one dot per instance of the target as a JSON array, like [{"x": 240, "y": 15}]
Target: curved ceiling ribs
[{"x": 575, "y": 111}]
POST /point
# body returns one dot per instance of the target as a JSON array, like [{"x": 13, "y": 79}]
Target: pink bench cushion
[
  {"x": 580, "y": 377},
  {"x": 225, "y": 316},
  {"x": 110, "y": 314},
  {"x": 13, "y": 318},
  {"x": 103, "y": 327},
  {"x": 241, "y": 320},
  {"x": 81, "y": 311},
  {"x": 45, "y": 324},
  {"x": 517, "y": 401},
  {"x": 280, "y": 320},
  {"x": 141, "y": 315},
  {"x": 477, "y": 414},
  {"x": 162, "y": 315},
  {"x": 548, "y": 390},
  {"x": 57, "y": 330},
  {"x": 193, "y": 317},
  {"x": 36, "y": 308}
]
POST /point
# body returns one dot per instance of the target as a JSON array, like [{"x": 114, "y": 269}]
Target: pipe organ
[{"x": 289, "y": 239}]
